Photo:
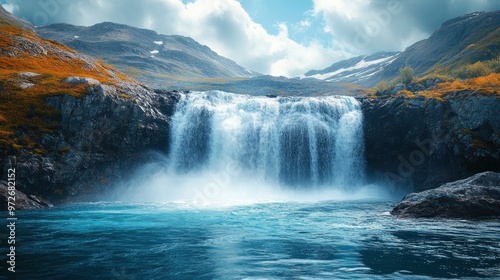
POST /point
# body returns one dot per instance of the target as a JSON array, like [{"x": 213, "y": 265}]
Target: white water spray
[{"x": 228, "y": 147}]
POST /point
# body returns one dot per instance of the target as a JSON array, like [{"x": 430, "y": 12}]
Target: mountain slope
[
  {"x": 459, "y": 41},
  {"x": 354, "y": 70},
  {"x": 462, "y": 40},
  {"x": 147, "y": 56}
]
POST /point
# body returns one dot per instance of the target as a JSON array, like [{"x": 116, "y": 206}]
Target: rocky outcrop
[
  {"x": 472, "y": 198},
  {"x": 420, "y": 143},
  {"x": 21, "y": 201},
  {"x": 80, "y": 80},
  {"x": 102, "y": 137}
]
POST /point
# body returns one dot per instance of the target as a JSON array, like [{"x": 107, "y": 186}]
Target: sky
[{"x": 276, "y": 37}]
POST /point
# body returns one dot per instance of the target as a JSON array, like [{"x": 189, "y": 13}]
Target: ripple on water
[{"x": 323, "y": 240}]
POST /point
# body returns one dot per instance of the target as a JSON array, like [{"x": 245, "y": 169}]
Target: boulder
[
  {"x": 398, "y": 88},
  {"x": 80, "y": 80},
  {"x": 28, "y": 74},
  {"x": 22, "y": 201},
  {"x": 26, "y": 85},
  {"x": 476, "y": 197}
]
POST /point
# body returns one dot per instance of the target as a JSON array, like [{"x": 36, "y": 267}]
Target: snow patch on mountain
[
  {"x": 354, "y": 69},
  {"x": 362, "y": 65}
]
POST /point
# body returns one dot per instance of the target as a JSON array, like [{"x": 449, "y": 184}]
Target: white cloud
[
  {"x": 8, "y": 7},
  {"x": 366, "y": 26},
  {"x": 227, "y": 28},
  {"x": 305, "y": 23},
  {"x": 223, "y": 25}
]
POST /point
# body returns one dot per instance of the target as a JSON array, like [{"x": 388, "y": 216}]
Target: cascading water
[{"x": 300, "y": 142}]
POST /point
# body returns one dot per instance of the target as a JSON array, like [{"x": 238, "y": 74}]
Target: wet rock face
[
  {"x": 102, "y": 137},
  {"x": 419, "y": 143},
  {"x": 110, "y": 131},
  {"x": 473, "y": 198}
]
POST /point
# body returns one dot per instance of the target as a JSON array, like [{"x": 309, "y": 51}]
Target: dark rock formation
[
  {"x": 102, "y": 137},
  {"x": 471, "y": 198},
  {"x": 22, "y": 201},
  {"x": 420, "y": 143}
]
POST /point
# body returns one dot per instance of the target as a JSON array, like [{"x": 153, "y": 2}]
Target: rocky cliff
[
  {"x": 103, "y": 136},
  {"x": 419, "y": 143}
]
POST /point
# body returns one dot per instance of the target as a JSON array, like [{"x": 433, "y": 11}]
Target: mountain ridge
[
  {"x": 145, "y": 54},
  {"x": 458, "y": 41}
]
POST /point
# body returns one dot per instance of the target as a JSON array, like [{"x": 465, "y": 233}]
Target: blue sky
[
  {"x": 278, "y": 37},
  {"x": 297, "y": 14}
]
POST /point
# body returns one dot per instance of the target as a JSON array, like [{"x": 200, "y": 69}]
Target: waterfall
[{"x": 291, "y": 141}]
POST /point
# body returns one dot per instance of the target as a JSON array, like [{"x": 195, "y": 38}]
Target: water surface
[{"x": 280, "y": 240}]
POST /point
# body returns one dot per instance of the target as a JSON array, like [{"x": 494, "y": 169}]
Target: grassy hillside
[{"x": 32, "y": 69}]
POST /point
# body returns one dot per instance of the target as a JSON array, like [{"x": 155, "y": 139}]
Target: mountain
[
  {"x": 175, "y": 62},
  {"x": 272, "y": 86},
  {"x": 459, "y": 41},
  {"x": 355, "y": 70},
  {"x": 147, "y": 56}
]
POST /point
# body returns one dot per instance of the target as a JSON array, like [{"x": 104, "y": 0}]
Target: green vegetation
[
  {"x": 475, "y": 70},
  {"x": 385, "y": 85},
  {"x": 406, "y": 75},
  {"x": 434, "y": 77},
  {"x": 478, "y": 69}
]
